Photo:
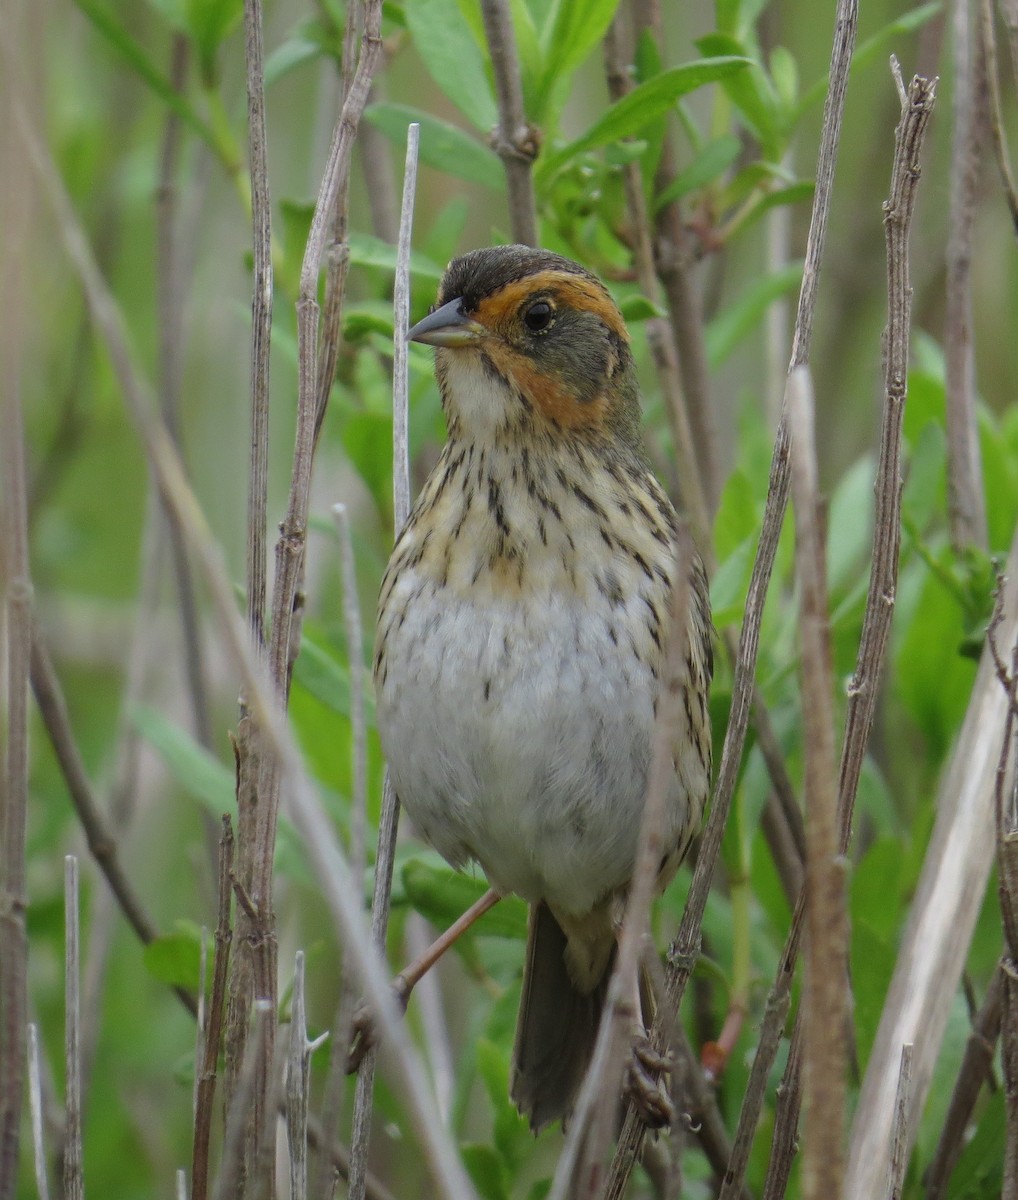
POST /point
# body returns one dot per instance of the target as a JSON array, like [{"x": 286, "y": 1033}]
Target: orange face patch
[
  {"x": 550, "y": 396},
  {"x": 562, "y": 289}
]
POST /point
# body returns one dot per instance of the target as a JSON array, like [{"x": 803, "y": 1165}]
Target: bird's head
[{"x": 531, "y": 343}]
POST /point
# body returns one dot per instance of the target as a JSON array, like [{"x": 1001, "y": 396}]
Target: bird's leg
[
  {"x": 643, "y": 1084},
  {"x": 405, "y": 982}
]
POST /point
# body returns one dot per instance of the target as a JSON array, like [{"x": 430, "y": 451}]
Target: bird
[{"x": 521, "y": 636}]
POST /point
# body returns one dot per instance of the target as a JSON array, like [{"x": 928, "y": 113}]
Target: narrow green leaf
[
  {"x": 638, "y": 308},
  {"x": 485, "y": 1169},
  {"x": 752, "y": 93},
  {"x": 368, "y": 251},
  {"x": 292, "y": 53},
  {"x": 736, "y": 320},
  {"x": 210, "y": 23},
  {"x": 442, "y": 146},
  {"x": 136, "y": 57},
  {"x": 453, "y": 58},
  {"x": 571, "y": 31},
  {"x": 642, "y": 105},
  {"x": 197, "y": 771},
  {"x": 714, "y": 158}
]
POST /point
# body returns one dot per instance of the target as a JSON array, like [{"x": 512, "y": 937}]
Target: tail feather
[{"x": 556, "y": 1028}]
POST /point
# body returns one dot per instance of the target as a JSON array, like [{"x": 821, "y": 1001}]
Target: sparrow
[{"x": 521, "y": 636}]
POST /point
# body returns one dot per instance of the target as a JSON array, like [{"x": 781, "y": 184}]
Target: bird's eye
[{"x": 538, "y": 316}]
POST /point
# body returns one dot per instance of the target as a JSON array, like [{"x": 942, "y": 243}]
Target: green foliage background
[{"x": 746, "y": 149}]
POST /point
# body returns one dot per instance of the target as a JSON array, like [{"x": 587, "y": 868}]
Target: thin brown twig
[
  {"x": 966, "y": 501},
  {"x": 514, "y": 140},
  {"x": 261, "y": 320},
  {"x": 102, "y": 843},
  {"x": 73, "y": 1158},
  {"x": 314, "y": 827},
  {"x": 825, "y": 999},
  {"x": 864, "y": 688},
  {"x": 917, "y": 104},
  {"x": 684, "y": 950},
  {"x": 206, "y": 1069},
  {"x": 976, "y": 1065}
]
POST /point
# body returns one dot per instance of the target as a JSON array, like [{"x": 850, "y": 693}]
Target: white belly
[{"x": 522, "y": 741}]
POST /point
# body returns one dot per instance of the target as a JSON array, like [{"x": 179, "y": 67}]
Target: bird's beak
[{"x": 447, "y": 326}]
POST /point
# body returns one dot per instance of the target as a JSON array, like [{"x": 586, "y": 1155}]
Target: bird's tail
[{"x": 557, "y": 1025}]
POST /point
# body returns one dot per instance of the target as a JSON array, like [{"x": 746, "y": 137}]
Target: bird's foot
[
  {"x": 644, "y": 1086},
  {"x": 363, "y": 1033}
]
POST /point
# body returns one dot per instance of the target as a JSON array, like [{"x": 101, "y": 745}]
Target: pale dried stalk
[
  {"x": 685, "y": 947},
  {"x": 935, "y": 944},
  {"x": 35, "y": 1109},
  {"x": 388, "y": 823},
  {"x": 917, "y": 103},
  {"x": 825, "y": 998},
  {"x": 899, "y": 1150},
  {"x": 261, "y": 320},
  {"x": 74, "y": 1180},
  {"x": 298, "y": 1085},
  {"x": 314, "y": 827},
  {"x": 966, "y": 502},
  {"x": 513, "y": 139}
]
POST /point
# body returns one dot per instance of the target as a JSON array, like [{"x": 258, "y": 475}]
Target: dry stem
[
  {"x": 513, "y": 139},
  {"x": 685, "y": 947},
  {"x": 825, "y": 1000},
  {"x": 966, "y": 503},
  {"x": 74, "y": 1181}
]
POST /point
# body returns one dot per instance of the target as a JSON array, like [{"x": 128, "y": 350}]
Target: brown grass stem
[
  {"x": 73, "y": 1156},
  {"x": 514, "y": 140}
]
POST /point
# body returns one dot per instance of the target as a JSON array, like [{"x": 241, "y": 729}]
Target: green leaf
[
  {"x": 849, "y": 523},
  {"x": 735, "y": 321},
  {"x": 210, "y": 23},
  {"x": 485, "y": 1169},
  {"x": 444, "y": 895},
  {"x": 137, "y": 58},
  {"x": 287, "y": 56},
  {"x": 197, "y": 771},
  {"x": 638, "y": 308},
  {"x": 715, "y": 157},
  {"x": 752, "y": 93},
  {"x": 641, "y": 106},
  {"x": 512, "y": 1135},
  {"x": 453, "y": 58},
  {"x": 571, "y": 31},
  {"x": 321, "y": 673},
  {"x": 443, "y": 146},
  {"x": 868, "y": 49},
  {"x": 368, "y": 251},
  {"x": 730, "y": 585},
  {"x": 785, "y": 75},
  {"x": 175, "y": 958}
]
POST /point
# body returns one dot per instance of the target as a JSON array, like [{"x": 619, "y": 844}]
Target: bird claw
[
  {"x": 363, "y": 1034},
  {"x": 643, "y": 1086}
]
